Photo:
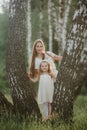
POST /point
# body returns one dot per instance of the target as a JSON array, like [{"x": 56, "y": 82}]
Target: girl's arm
[{"x": 52, "y": 75}]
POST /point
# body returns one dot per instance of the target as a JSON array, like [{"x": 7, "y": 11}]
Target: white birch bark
[
  {"x": 41, "y": 18},
  {"x": 50, "y": 24},
  {"x": 55, "y": 21},
  {"x": 60, "y": 25},
  {"x": 66, "y": 14}
]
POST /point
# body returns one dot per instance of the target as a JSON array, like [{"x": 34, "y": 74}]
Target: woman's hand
[
  {"x": 29, "y": 75},
  {"x": 34, "y": 80}
]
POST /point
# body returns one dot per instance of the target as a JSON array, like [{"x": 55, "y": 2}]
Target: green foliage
[
  {"x": 35, "y": 24},
  {"x": 84, "y": 88},
  {"x": 80, "y": 120},
  {"x": 80, "y": 113},
  {"x": 3, "y": 42},
  {"x": 38, "y": 7},
  {"x": 35, "y": 21}
]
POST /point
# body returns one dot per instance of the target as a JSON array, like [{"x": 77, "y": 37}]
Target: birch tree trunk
[
  {"x": 41, "y": 18},
  {"x": 22, "y": 92},
  {"x": 73, "y": 69},
  {"x": 54, "y": 22},
  {"x": 50, "y": 24},
  {"x": 60, "y": 26},
  {"x": 64, "y": 29}
]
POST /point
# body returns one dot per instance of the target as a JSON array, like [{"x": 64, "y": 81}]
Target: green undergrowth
[{"x": 79, "y": 120}]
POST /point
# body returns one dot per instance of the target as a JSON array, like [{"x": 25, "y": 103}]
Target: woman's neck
[{"x": 40, "y": 56}]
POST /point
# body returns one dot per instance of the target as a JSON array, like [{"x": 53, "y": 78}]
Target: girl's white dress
[
  {"x": 46, "y": 89},
  {"x": 46, "y": 83}
]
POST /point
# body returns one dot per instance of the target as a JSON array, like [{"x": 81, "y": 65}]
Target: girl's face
[
  {"x": 44, "y": 67},
  {"x": 39, "y": 48}
]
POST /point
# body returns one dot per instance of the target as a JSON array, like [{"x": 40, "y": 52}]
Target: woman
[{"x": 39, "y": 54}]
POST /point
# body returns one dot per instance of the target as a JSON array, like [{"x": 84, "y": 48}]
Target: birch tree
[
  {"x": 64, "y": 29},
  {"x": 50, "y": 24},
  {"x": 60, "y": 25},
  {"x": 41, "y": 17},
  {"x": 21, "y": 88},
  {"x": 60, "y": 20},
  {"x": 73, "y": 69}
]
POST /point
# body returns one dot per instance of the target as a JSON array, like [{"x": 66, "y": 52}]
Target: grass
[{"x": 80, "y": 120}]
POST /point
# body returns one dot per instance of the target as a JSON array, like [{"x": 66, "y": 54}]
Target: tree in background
[{"x": 50, "y": 25}]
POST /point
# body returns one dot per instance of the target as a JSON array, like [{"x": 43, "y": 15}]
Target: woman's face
[
  {"x": 39, "y": 48},
  {"x": 44, "y": 67}
]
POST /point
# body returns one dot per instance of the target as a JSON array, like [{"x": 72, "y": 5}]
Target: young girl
[{"x": 46, "y": 88}]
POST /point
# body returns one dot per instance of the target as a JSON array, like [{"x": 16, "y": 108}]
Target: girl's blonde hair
[
  {"x": 32, "y": 71},
  {"x": 50, "y": 72}
]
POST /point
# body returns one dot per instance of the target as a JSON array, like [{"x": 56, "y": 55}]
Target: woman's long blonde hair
[{"x": 32, "y": 71}]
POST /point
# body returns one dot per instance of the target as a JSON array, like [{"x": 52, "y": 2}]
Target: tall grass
[{"x": 80, "y": 120}]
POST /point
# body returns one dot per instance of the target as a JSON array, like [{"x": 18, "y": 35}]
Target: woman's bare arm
[
  {"x": 56, "y": 57},
  {"x": 34, "y": 80}
]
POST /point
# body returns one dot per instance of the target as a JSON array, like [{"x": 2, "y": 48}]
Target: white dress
[
  {"x": 37, "y": 62},
  {"x": 46, "y": 89}
]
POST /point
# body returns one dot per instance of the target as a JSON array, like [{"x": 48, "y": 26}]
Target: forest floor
[{"x": 80, "y": 119}]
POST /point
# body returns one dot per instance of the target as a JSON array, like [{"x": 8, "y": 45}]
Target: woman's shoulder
[{"x": 49, "y": 53}]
